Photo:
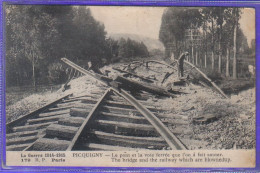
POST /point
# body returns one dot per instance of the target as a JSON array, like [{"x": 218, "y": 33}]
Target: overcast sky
[{"x": 146, "y": 21}]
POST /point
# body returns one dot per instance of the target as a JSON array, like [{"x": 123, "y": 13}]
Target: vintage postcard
[{"x": 125, "y": 86}]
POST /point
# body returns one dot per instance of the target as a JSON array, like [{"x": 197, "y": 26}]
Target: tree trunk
[
  {"x": 205, "y": 44},
  {"x": 212, "y": 60},
  {"x": 219, "y": 63},
  {"x": 212, "y": 53},
  {"x": 192, "y": 54},
  {"x": 205, "y": 60},
  {"x": 220, "y": 39},
  {"x": 235, "y": 46},
  {"x": 192, "y": 51},
  {"x": 220, "y": 52},
  {"x": 33, "y": 75},
  {"x": 196, "y": 58},
  {"x": 227, "y": 64}
]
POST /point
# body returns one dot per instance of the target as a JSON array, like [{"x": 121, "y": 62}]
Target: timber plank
[
  {"x": 68, "y": 104},
  {"x": 71, "y": 121},
  {"x": 82, "y": 99},
  {"x": 54, "y": 113},
  {"x": 17, "y": 147},
  {"x": 21, "y": 134},
  {"x": 61, "y": 131},
  {"x": 128, "y": 105},
  {"x": 46, "y": 144},
  {"x": 21, "y": 140},
  {"x": 78, "y": 112},
  {"x": 118, "y": 98},
  {"x": 130, "y": 141},
  {"x": 120, "y": 110},
  {"x": 126, "y": 125},
  {"x": 124, "y": 118},
  {"x": 46, "y": 119},
  {"x": 32, "y": 127}
]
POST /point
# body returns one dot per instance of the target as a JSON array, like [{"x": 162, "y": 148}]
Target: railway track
[{"x": 107, "y": 119}]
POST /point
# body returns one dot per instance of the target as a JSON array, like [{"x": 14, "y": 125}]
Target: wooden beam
[
  {"x": 143, "y": 127},
  {"x": 135, "y": 75},
  {"x": 121, "y": 99},
  {"x": 162, "y": 63},
  {"x": 71, "y": 121},
  {"x": 128, "y": 105},
  {"x": 21, "y": 134},
  {"x": 46, "y": 144},
  {"x": 130, "y": 141},
  {"x": 46, "y": 119},
  {"x": 46, "y": 114},
  {"x": 21, "y": 140},
  {"x": 134, "y": 86},
  {"x": 32, "y": 127},
  {"x": 120, "y": 110},
  {"x": 17, "y": 147},
  {"x": 61, "y": 131},
  {"x": 77, "y": 112},
  {"x": 124, "y": 118}
]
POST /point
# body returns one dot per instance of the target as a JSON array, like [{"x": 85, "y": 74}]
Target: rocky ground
[{"x": 230, "y": 125}]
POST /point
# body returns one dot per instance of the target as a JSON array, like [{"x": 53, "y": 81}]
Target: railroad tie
[
  {"x": 54, "y": 113},
  {"x": 77, "y": 112},
  {"x": 71, "y": 121},
  {"x": 16, "y": 147},
  {"x": 21, "y": 134},
  {"x": 46, "y": 119},
  {"x": 46, "y": 144},
  {"x": 130, "y": 141},
  {"x": 61, "y": 131},
  {"x": 32, "y": 127}
]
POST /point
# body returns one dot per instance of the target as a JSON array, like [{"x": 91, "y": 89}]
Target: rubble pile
[{"x": 231, "y": 122}]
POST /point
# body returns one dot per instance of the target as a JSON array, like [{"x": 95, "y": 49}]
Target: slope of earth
[{"x": 32, "y": 102}]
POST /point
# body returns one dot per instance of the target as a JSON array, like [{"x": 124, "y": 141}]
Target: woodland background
[{"x": 38, "y": 36}]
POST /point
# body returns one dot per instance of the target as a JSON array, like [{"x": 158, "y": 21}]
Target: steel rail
[
  {"x": 207, "y": 78},
  {"x": 86, "y": 121},
  {"x": 169, "y": 137},
  {"x": 101, "y": 78}
]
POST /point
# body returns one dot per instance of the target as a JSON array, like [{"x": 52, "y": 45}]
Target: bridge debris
[
  {"x": 135, "y": 75},
  {"x": 134, "y": 85}
]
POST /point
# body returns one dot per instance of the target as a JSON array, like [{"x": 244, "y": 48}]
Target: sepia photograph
[{"x": 118, "y": 78}]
